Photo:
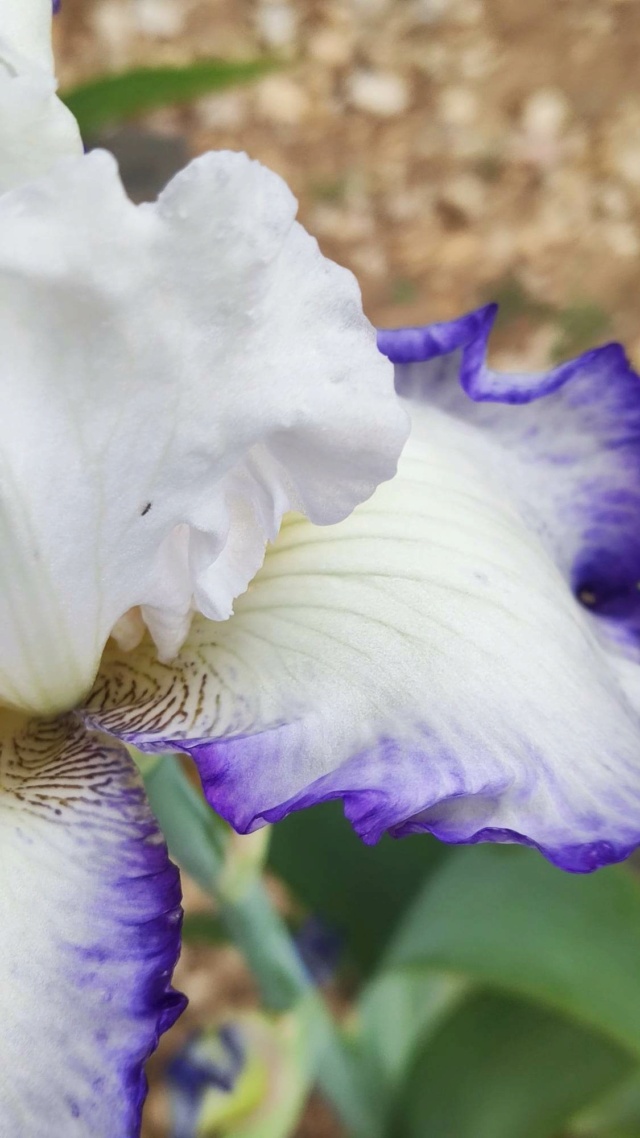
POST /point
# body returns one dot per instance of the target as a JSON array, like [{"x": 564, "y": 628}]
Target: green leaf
[
  {"x": 398, "y": 1008},
  {"x": 197, "y": 838},
  {"x": 502, "y": 1068},
  {"x": 617, "y": 1115},
  {"x": 360, "y": 890},
  {"x": 508, "y": 918},
  {"x": 396, "y": 1012},
  {"x": 515, "y": 303},
  {"x": 203, "y": 928},
  {"x": 201, "y": 843},
  {"x": 115, "y": 98},
  {"x": 581, "y": 325}
]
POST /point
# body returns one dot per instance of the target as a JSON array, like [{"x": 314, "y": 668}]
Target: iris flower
[
  {"x": 182, "y": 383},
  {"x": 174, "y": 377},
  {"x": 460, "y": 655}
]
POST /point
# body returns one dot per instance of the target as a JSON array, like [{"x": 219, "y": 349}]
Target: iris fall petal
[
  {"x": 89, "y": 934},
  {"x": 429, "y": 659}
]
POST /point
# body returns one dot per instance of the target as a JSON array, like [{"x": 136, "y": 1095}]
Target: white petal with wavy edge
[
  {"x": 174, "y": 377},
  {"x": 26, "y": 25},
  {"x": 425, "y": 659},
  {"x": 36, "y": 129},
  {"x": 89, "y": 934}
]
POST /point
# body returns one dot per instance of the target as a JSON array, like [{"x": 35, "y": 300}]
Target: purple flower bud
[{"x": 199, "y": 1066}]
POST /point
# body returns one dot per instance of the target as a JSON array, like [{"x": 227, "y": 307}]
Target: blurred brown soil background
[{"x": 448, "y": 151}]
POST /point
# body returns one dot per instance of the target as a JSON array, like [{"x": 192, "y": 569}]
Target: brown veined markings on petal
[
  {"x": 136, "y": 694},
  {"x": 129, "y": 697},
  {"x": 56, "y": 767}
]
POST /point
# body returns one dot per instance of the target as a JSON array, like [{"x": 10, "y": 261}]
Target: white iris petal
[
  {"x": 26, "y": 25},
  {"x": 36, "y": 129},
  {"x": 426, "y": 658},
  {"x": 175, "y": 376}
]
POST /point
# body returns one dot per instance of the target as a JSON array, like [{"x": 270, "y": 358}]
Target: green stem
[{"x": 201, "y": 844}]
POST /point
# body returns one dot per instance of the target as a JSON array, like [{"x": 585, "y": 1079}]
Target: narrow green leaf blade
[
  {"x": 508, "y": 918},
  {"x": 115, "y": 98},
  {"x": 502, "y": 1068},
  {"x": 197, "y": 838},
  {"x": 203, "y": 928}
]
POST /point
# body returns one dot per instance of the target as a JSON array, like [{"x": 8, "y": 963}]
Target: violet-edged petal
[
  {"x": 36, "y": 129},
  {"x": 89, "y": 934},
  {"x": 428, "y": 659},
  {"x": 573, "y": 459},
  {"x": 174, "y": 377}
]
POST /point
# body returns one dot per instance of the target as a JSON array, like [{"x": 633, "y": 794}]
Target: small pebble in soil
[{"x": 379, "y": 93}]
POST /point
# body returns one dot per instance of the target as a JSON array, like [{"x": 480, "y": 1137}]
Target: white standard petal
[
  {"x": 425, "y": 660},
  {"x": 26, "y": 26},
  {"x": 89, "y": 934},
  {"x": 174, "y": 377},
  {"x": 36, "y": 129}
]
